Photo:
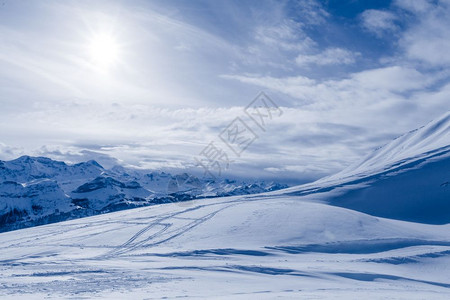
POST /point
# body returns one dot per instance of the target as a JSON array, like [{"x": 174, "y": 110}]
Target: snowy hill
[
  {"x": 407, "y": 179},
  {"x": 38, "y": 190}
]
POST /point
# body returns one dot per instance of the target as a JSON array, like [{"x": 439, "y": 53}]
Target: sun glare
[{"x": 103, "y": 50}]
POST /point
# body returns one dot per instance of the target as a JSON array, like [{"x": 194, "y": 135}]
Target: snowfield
[
  {"x": 378, "y": 230},
  {"x": 236, "y": 247}
]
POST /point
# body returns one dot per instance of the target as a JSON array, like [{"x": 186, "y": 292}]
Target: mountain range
[{"x": 39, "y": 190}]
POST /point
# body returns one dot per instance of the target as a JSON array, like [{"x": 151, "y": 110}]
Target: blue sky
[{"x": 348, "y": 75}]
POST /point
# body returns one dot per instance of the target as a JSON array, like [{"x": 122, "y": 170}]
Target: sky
[{"x": 151, "y": 84}]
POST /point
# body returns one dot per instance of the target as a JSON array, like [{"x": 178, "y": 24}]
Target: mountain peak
[
  {"x": 94, "y": 163},
  {"x": 26, "y": 159},
  {"x": 23, "y": 158},
  {"x": 89, "y": 163}
]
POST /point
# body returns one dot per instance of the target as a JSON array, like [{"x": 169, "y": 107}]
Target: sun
[{"x": 103, "y": 50}]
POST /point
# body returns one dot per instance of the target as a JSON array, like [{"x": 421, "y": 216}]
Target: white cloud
[
  {"x": 393, "y": 79},
  {"x": 312, "y": 12},
  {"x": 370, "y": 99},
  {"x": 361, "y": 88},
  {"x": 330, "y": 56},
  {"x": 276, "y": 39},
  {"x": 416, "y": 6},
  {"x": 427, "y": 39},
  {"x": 378, "y": 21},
  {"x": 287, "y": 35},
  {"x": 8, "y": 152}
]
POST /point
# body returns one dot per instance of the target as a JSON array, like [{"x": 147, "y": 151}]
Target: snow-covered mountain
[
  {"x": 26, "y": 169},
  {"x": 407, "y": 179},
  {"x": 39, "y": 190},
  {"x": 433, "y": 138},
  {"x": 295, "y": 243}
]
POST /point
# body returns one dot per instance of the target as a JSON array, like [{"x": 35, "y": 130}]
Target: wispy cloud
[
  {"x": 311, "y": 12},
  {"x": 287, "y": 36},
  {"x": 330, "y": 56},
  {"x": 379, "y": 21},
  {"x": 427, "y": 38}
]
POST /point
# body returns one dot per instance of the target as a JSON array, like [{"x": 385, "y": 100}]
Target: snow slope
[
  {"x": 244, "y": 247},
  {"x": 431, "y": 139}
]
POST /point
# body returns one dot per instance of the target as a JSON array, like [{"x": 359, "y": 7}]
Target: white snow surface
[{"x": 228, "y": 248}]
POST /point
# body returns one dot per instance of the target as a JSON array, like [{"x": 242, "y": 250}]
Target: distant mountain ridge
[{"x": 39, "y": 190}]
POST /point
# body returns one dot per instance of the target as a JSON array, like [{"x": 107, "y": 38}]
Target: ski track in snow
[{"x": 129, "y": 245}]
